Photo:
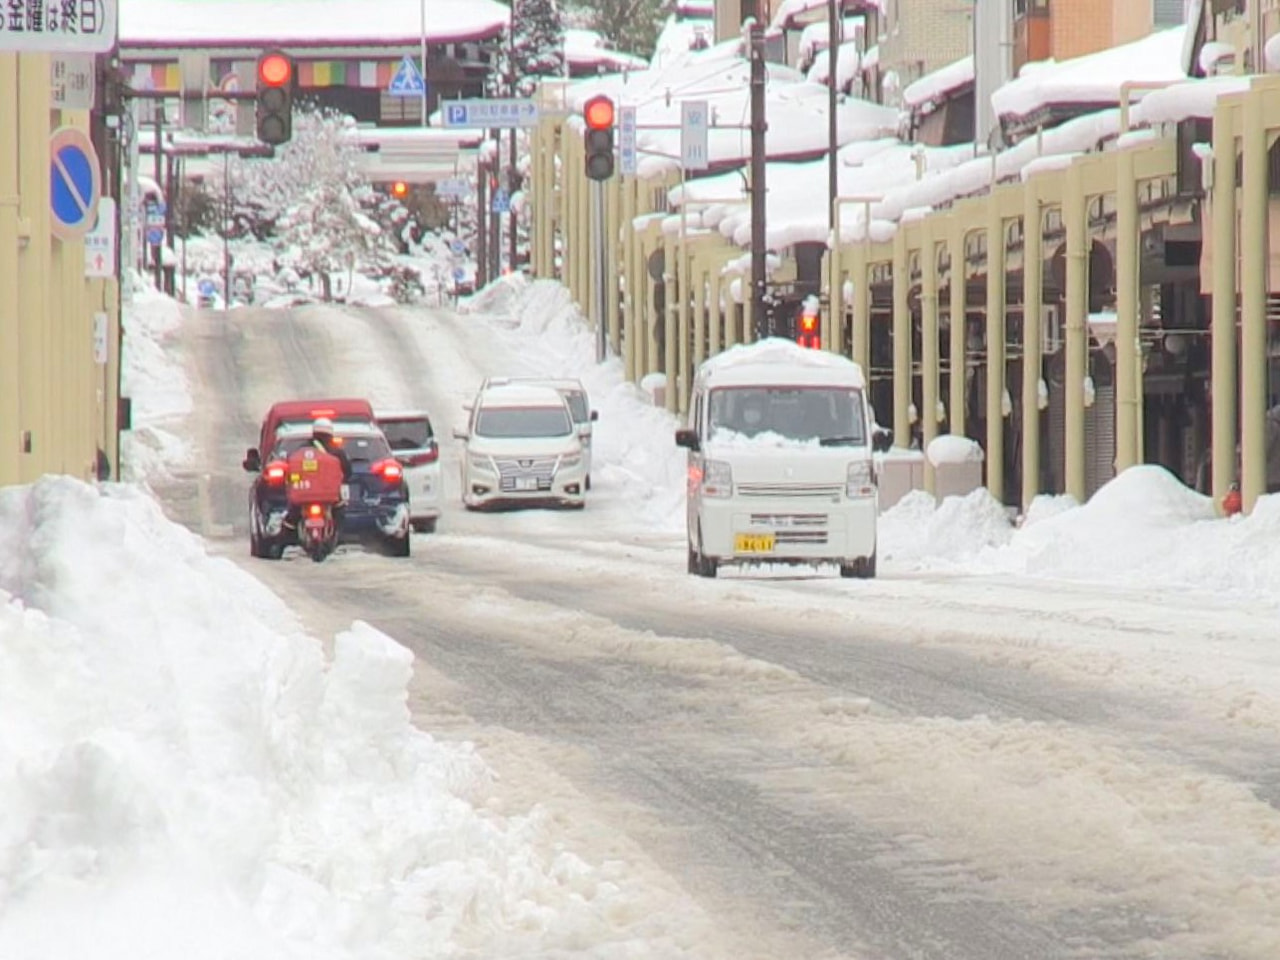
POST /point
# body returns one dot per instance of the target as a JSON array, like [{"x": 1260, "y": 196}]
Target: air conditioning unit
[{"x": 1050, "y": 328}]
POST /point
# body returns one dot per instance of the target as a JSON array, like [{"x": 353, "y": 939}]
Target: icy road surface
[{"x": 924, "y": 767}]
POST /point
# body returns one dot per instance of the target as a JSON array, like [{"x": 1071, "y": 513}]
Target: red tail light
[
  {"x": 422, "y": 459},
  {"x": 389, "y": 470},
  {"x": 275, "y": 471}
]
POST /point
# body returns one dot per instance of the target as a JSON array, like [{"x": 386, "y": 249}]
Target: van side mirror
[
  {"x": 595, "y": 415},
  {"x": 459, "y": 434},
  {"x": 688, "y": 439},
  {"x": 882, "y": 440},
  {"x": 252, "y": 462}
]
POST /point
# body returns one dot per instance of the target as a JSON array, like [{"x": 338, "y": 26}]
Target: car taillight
[
  {"x": 275, "y": 471},
  {"x": 422, "y": 459},
  {"x": 315, "y": 510},
  {"x": 389, "y": 470}
]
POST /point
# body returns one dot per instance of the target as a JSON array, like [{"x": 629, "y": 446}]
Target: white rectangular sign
[
  {"x": 487, "y": 114},
  {"x": 694, "y": 120},
  {"x": 58, "y": 26},
  {"x": 72, "y": 81},
  {"x": 100, "y": 242},
  {"x": 453, "y": 188},
  {"x": 627, "y": 140},
  {"x": 101, "y": 346}
]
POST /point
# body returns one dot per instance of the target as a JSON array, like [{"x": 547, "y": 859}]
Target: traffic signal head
[
  {"x": 598, "y": 114},
  {"x": 807, "y": 332},
  {"x": 399, "y": 189},
  {"x": 275, "y": 98}
]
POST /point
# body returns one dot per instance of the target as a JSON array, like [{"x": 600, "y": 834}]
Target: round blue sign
[{"x": 74, "y": 184}]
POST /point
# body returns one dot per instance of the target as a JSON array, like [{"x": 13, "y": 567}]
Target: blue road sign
[
  {"x": 155, "y": 236},
  {"x": 75, "y": 183},
  {"x": 207, "y": 288},
  {"x": 408, "y": 81},
  {"x": 459, "y": 273},
  {"x": 501, "y": 202},
  {"x": 457, "y": 246}
]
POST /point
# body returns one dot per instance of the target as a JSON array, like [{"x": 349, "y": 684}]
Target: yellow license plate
[{"x": 753, "y": 543}]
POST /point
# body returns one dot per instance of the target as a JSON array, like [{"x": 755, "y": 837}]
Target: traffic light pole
[
  {"x": 758, "y": 188},
  {"x": 598, "y": 253}
]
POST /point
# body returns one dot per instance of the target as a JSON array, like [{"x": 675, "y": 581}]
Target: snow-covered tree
[
  {"x": 315, "y": 202},
  {"x": 535, "y": 49},
  {"x": 632, "y": 25}
]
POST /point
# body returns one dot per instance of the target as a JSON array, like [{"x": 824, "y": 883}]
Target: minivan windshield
[
  {"x": 833, "y": 416},
  {"x": 505, "y": 422}
]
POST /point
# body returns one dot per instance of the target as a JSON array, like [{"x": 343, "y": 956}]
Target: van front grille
[{"x": 827, "y": 491}]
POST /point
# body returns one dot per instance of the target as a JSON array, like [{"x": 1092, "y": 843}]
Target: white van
[{"x": 780, "y": 442}]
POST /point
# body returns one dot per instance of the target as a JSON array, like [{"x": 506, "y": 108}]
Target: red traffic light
[
  {"x": 598, "y": 113},
  {"x": 275, "y": 70},
  {"x": 400, "y": 189}
]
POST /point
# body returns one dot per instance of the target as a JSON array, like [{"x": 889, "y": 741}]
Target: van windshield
[
  {"x": 523, "y": 422},
  {"x": 833, "y": 416}
]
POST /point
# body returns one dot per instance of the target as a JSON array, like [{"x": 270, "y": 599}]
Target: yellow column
[
  {"x": 569, "y": 217},
  {"x": 1032, "y": 349},
  {"x": 699, "y": 290},
  {"x": 34, "y": 273},
  {"x": 683, "y": 285},
  {"x": 715, "y": 308},
  {"x": 1253, "y": 313},
  {"x": 748, "y": 309},
  {"x": 956, "y": 295},
  {"x": 995, "y": 348},
  {"x": 630, "y": 282},
  {"x": 929, "y": 346},
  {"x": 1223, "y": 383},
  {"x": 1128, "y": 386},
  {"x": 10, "y": 316},
  {"x": 539, "y": 196},
  {"x": 733, "y": 317},
  {"x": 901, "y": 342},
  {"x": 670, "y": 358},
  {"x": 861, "y": 332},
  {"x": 833, "y": 338},
  {"x": 613, "y": 245},
  {"x": 1077, "y": 335}
]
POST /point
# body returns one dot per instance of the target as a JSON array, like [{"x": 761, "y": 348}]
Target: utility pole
[
  {"x": 158, "y": 260},
  {"x": 758, "y": 189},
  {"x": 833, "y": 136}
]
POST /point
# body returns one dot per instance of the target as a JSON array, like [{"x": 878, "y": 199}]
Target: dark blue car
[{"x": 376, "y": 513}]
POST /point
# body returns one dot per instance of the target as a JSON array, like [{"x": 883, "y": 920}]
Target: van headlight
[
  {"x": 861, "y": 480},
  {"x": 569, "y": 461},
  {"x": 717, "y": 479},
  {"x": 480, "y": 463}
]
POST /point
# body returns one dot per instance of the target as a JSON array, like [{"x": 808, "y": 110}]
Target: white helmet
[{"x": 322, "y": 427}]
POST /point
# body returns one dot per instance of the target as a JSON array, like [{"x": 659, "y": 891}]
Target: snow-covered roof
[
  {"x": 932, "y": 89},
  {"x": 796, "y": 109},
  {"x": 815, "y": 36},
  {"x": 325, "y": 23},
  {"x": 589, "y": 48},
  {"x": 1182, "y": 101},
  {"x": 777, "y": 360},
  {"x": 521, "y": 395},
  {"x": 848, "y": 66},
  {"x": 791, "y": 13},
  {"x": 1093, "y": 79}
]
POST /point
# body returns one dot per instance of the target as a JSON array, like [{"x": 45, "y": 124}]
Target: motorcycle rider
[{"x": 322, "y": 439}]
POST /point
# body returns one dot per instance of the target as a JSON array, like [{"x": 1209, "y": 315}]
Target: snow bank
[
  {"x": 951, "y": 449},
  {"x": 152, "y": 375},
  {"x": 183, "y": 774},
  {"x": 1143, "y": 529}
]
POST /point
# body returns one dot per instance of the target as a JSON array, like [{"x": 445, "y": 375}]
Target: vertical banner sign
[
  {"x": 693, "y": 135},
  {"x": 627, "y": 140}
]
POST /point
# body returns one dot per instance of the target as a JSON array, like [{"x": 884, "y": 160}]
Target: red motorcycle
[{"x": 315, "y": 488}]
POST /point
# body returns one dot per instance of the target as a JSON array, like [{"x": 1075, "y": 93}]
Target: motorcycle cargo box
[{"x": 314, "y": 477}]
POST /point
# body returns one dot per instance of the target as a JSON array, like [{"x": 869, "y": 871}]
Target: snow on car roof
[
  {"x": 401, "y": 415},
  {"x": 775, "y": 360},
  {"x": 520, "y": 395}
]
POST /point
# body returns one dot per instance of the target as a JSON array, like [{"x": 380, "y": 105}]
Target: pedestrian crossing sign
[{"x": 408, "y": 81}]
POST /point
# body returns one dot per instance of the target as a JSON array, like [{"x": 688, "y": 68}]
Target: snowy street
[{"x": 942, "y": 763}]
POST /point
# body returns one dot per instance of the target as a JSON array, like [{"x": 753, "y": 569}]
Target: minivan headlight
[
  {"x": 569, "y": 461},
  {"x": 861, "y": 480},
  {"x": 717, "y": 479},
  {"x": 480, "y": 463}
]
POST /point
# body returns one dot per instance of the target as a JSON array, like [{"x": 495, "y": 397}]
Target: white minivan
[{"x": 780, "y": 442}]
